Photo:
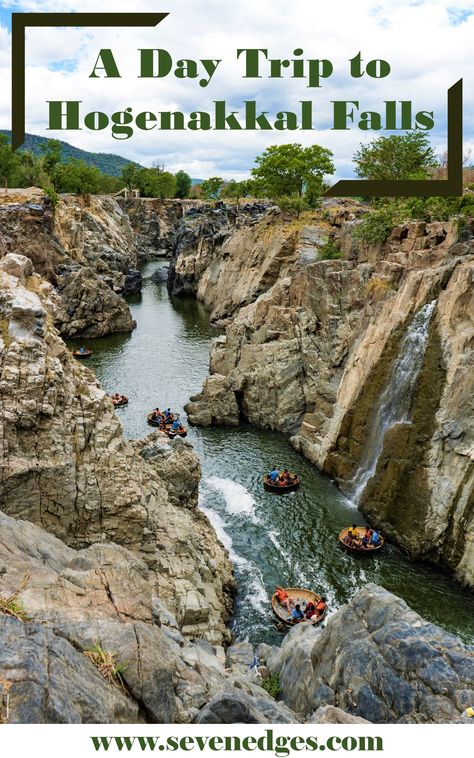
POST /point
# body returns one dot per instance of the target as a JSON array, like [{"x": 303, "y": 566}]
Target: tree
[
  {"x": 30, "y": 170},
  {"x": 77, "y": 177},
  {"x": 400, "y": 156},
  {"x": 51, "y": 158},
  {"x": 290, "y": 170},
  {"x": 8, "y": 161},
  {"x": 183, "y": 184},
  {"x": 236, "y": 190},
  {"x": 129, "y": 176},
  {"x": 292, "y": 205},
  {"x": 211, "y": 188},
  {"x": 154, "y": 183}
]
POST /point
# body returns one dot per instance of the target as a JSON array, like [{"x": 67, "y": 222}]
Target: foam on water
[
  {"x": 238, "y": 500},
  {"x": 256, "y": 594}
]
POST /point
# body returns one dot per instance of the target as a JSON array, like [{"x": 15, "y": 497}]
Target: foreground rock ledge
[{"x": 376, "y": 660}]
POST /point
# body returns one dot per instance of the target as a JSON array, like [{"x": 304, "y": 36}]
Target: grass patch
[
  {"x": 106, "y": 664},
  {"x": 376, "y": 288},
  {"x": 12, "y": 606},
  {"x": 330, "y": 251},
  {"x": 271, "y": 684}
]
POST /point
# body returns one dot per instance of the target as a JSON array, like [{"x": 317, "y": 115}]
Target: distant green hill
[{"x": 108, "y": 163}]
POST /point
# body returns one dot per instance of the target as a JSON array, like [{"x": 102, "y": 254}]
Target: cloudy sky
[{"x": 427, "y": 43}]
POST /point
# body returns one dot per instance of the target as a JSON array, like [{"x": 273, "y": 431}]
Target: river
[{"x": 272, "y": 539}]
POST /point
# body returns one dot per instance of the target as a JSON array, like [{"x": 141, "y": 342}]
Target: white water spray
[{"x": 395, "y": 403}]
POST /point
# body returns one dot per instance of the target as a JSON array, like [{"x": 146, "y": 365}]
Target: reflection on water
[{"x": 290, "y": 539}]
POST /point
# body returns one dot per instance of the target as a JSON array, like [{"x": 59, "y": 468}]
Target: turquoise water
[{"x": 272, "y": 539}]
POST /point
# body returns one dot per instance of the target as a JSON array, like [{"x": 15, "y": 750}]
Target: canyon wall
[
  {"x": 313, "y": 354},
  {"x": 65, "y": 466},
  {"x": 85, "y": 247}
]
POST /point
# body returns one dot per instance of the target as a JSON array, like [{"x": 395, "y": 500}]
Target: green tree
[
  {"x": 292, "y": 170},
  {"x": 292, "y": 205},
  {"x": 236, "y": 190},
  {"x": 211, "y": 188},
  {"x": 129, "y": 176},
  {"x": 400, "y": 156},
  {"x": 52, "y": 152},
  {"x": 78, "y": 177},
  {"x": 29, "y": 171},
  {"x": 183, "y": 184},
  {"x": 108, "y": 185},
  {"x": 153, "y": 183},
  {"x": 9, "y": 161}
]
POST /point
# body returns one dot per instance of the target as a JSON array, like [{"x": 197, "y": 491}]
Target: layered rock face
[
  {"x": 313, "y": 355},
  {"x": 64, "y": 464},
  {"x": 228, "y": 255},
  {"x": 85, "y": 248},
  {"x": 155, "y": 223}
]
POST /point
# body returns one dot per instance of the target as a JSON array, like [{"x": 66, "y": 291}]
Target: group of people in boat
[
  {"x": 304, "y": 611},
  {"x": 118, "y": 399},
  {"x": 281, "y": 478},
  {"x": 368, "y": 541},
  {"x": 166, "y": 420}
]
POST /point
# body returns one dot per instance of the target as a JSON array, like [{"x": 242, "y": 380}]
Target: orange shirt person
[
  {"x": 283, "y": 597},
  {"x": 321, "y": 606}
]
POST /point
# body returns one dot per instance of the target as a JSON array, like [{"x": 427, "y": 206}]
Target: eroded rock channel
[{"x": 115, "y": 540}]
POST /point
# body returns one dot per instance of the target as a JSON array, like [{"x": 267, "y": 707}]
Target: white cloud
[{"x": 427, "y": 43}]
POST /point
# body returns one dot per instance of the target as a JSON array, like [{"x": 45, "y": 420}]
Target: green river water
[{"x": 272, "y": 539}]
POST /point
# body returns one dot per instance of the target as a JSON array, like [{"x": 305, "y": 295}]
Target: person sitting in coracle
[
  {"x": 176, "y": 425},
  {"x": 365, "y": 541},
  {"x": 321, "y": 607},
  {"x": 297, "y": 614},
  {"x": 352, "y": 537},
  {"x": 168, "y": 416},
  {"x": 273, "y": 475},
  {"x": 82, "y": 350},
  {"x": 310, "y": 610},
  {"x": 375, "y": 538},
  {"x": 157, "y": 414},
  {"x": 283, "y": 598}
]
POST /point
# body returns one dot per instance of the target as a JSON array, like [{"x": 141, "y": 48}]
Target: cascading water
[{"x": 396, "y": 399}]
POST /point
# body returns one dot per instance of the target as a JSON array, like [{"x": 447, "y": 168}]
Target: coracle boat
[
  {"x": 158, "y": 423},
  {"x": 358, "y": 548},
  {"x": 280, "y": 489},
  {"x": 82, "y": 354},
  {"x": 153, "y": 421},
  {"x": 299, "y": 596},
  {"x": 120, "y": 403},
  {"x": 181, "y": 432}
]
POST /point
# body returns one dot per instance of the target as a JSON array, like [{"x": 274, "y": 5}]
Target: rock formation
[
  {"x": 65, "y": 466},
  {"x": 155, "y": 223},
  {"x": 377, "y": 660},
  {"x": 227, "y": 255},
  {"x": 85, "y": 248},
  {"x": 312, "y": 355}
]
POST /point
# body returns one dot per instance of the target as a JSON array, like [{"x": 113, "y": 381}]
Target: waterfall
[{"x": 396, "y": 399}]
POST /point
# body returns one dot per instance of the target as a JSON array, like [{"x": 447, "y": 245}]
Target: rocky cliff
[
  {"x": 228, "y": 255},
  {"x": 85, "y": 247},
  {"x": 64, "y": 464},
  {"x": 376, "y": 660},
  {"x": 313, "y": 354}
]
